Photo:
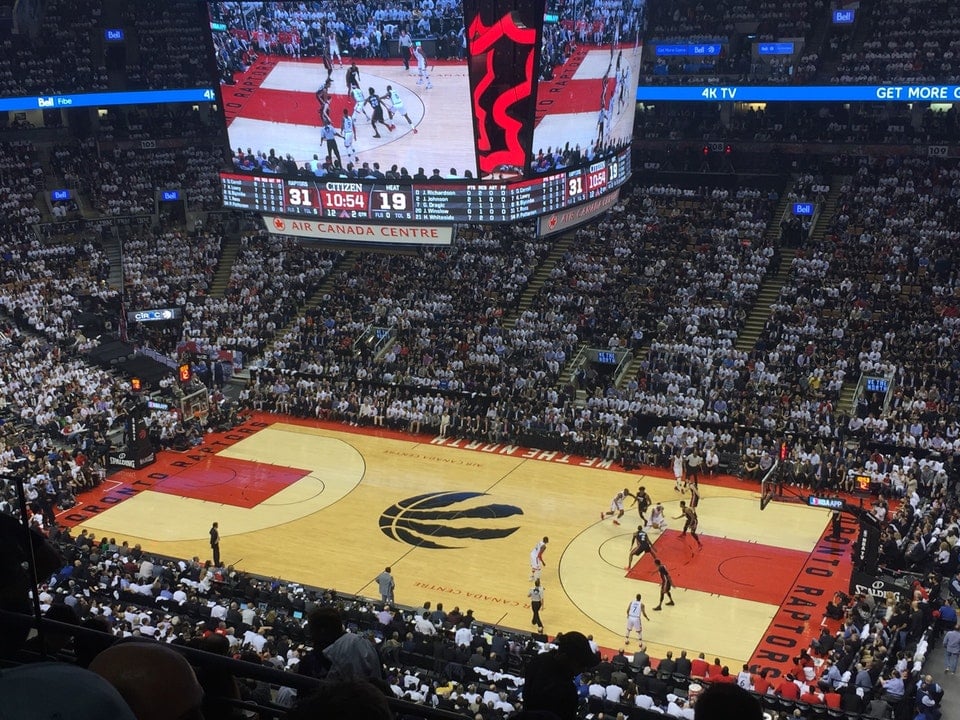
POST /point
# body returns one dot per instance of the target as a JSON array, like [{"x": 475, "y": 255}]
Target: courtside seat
[
  {"x": 818, "y": 712},
  {"x": 786, "y": 706}
]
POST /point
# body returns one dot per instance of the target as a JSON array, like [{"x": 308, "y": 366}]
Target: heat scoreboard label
[{"x": 425, "y": 201}]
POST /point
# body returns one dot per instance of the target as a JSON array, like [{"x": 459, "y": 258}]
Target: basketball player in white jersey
[
  {"x": 679, "y": 484},
  {"x": 616, "y": 506},
  {"x": 623, "y": 83},
  {"x": 358, "y": 108},
  {"x": 536, "y": 558},
  {"x": 348, "y": 135},
  {"x": 636, "y": 613},
  {"x": 658, "y": 519},
  {"x": 422, "y": 69},
  {"x": 335, "y": 48},
  {"x": 396, "y": 105}
]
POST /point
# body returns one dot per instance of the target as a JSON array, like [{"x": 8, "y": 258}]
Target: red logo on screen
[
  {"x": 279, "y": 224},
  {"x": 507, "y": 37}
]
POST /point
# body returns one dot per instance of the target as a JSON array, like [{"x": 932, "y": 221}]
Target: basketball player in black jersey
[
  {"x": 323, "y": 97},
  {"x": 666, "y": 584},
  {"x": 641, "y": 545},
  {"x": 353, "y": 76},
  {"x": 643, "y": 502},
  {"x": 376, "y": 107}
]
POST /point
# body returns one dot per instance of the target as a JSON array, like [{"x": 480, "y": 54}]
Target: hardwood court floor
[{"x": 327, "y": 505}]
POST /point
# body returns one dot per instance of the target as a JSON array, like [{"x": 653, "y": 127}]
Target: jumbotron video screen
[{"x": 386, "y": 110}]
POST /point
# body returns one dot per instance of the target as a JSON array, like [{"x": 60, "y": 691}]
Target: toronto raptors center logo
[{"x": 443, "y": 520}]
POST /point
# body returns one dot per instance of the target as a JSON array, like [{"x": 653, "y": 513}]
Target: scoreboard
[{"x": 425, "y": 201}]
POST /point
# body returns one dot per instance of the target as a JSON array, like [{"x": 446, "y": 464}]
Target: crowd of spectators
[
  {"x": 21, "y": 177},
  {"x": 270, "y": 280},
  {"x": 44, "y": 285},
  {"x": 171, "y": 46},
  {"x": 736, "y": 29},
  {"x": 125, "y": 181},
  {"x": 166, "y": 268},
  {"x": 909, "y": 42},
  {"x": 55, "y": 411},
  {"x": 51, "y": 52},
  {"x": 872, "y": 124}
]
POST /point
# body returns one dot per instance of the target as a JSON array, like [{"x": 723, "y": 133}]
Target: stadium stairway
[
  {"x": 111, "y": 248},
  {"x": 240, "y": 378},
  {"x": 633, "y": 369},
  {"x": 767, "y": 294},
  {"x": 770, "y": 287},
  {"x": 829, "y": 209},
  {"x": 228, "y": 254},
  {"x": 538, "y": 279},
  {"x": 845, "y": 405}
]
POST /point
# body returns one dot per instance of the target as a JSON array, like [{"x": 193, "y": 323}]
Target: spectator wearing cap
[{"x": 788, "y": 688}]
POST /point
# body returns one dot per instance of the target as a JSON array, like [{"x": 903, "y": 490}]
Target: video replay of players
[
  {"x": 381, "y": 90},
  {"x": 586, "y": 94}
]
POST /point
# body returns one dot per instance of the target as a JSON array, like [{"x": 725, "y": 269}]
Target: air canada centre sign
[{"x": 351, "y": 232}]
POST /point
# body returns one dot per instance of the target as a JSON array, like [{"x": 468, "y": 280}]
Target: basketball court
[
  {"x": 274, "y": 106},
  {"x": 330, "y": 505}
]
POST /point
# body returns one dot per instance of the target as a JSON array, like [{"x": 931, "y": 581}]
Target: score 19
[{"x": 390, "y": 201}]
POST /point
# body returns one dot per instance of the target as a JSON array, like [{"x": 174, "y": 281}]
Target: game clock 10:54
[{"x": 343, "y": 202}]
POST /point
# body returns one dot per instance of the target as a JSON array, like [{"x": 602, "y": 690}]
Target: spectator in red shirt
[
  {"x": 724, "y": 677},
  {"x": 811, "y": 698},
  {"x": 699, "y": 667},
  {"x": 761, "y": 685}
]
